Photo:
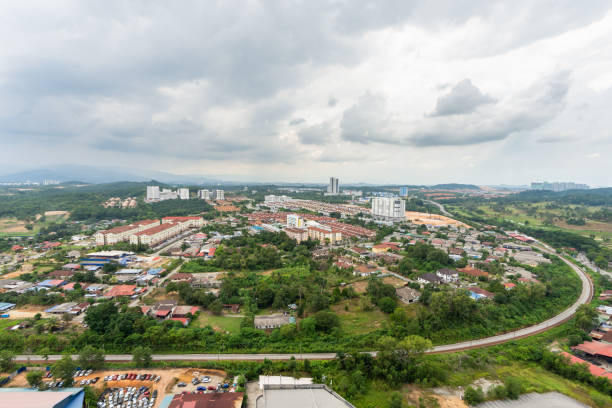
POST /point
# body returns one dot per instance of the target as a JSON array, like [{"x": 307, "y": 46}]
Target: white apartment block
[
  {"x": 219, "y": 195},
  {"x": 205, "y": 194},
  {"x": 152, "y": 193},
  {"x": 323, "y": 235},
  {"x": 123, "y": 232},
  {"x": 170, "y": 227},
  {"x": 183, "y": 193},
  {"x": 295, "y": 221},
  {"x": 389, "y": 208}
]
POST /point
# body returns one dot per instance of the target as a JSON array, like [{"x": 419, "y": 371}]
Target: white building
[
  {"x": 219, "y": 195},
  {"x": 167, "y": 194},
  {"x": 204, "y": 194},
  {"x": 152, "y": 193},
  {"x": 333, "y": 187},
  {"x": 389, "y": 208},
  {"x": 295, "y": 221},
  {"x": 183, "y": 193}
]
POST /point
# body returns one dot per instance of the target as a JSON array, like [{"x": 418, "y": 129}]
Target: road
[
  {"x": 441, "y": 207},
  {"x": 585, "y": 297}
]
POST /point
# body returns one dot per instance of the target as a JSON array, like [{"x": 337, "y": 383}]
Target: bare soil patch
[{"x": 416, "y": 217}]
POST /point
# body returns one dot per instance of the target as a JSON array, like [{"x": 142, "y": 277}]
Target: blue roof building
[{"x": 31, "y": 397}]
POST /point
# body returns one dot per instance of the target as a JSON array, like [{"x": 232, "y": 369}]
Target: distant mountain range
[{"x": 87, "y": 174}]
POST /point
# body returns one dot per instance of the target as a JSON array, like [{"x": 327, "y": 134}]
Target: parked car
[{"x": 181, "y": 384}]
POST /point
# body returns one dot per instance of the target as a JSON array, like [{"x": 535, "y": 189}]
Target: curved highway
[{"x": 585, "y": 297}]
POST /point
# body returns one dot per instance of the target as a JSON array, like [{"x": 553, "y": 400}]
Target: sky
[{"x": 397, "y": 92}]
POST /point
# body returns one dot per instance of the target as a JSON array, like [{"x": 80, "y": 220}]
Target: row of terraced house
[{"x": 148, "y": 232}]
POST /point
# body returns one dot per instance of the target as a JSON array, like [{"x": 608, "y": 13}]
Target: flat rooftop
[{"x": 306, "y": 396}]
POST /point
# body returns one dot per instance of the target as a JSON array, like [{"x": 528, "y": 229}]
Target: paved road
[{"x": 440, "y": 206}]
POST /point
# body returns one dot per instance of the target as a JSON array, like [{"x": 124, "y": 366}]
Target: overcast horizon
[{"x": 390, "y": 92}]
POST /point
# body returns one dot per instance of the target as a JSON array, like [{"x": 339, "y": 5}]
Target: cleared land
[
  {"x": 416, "y": 217},
  {"x": 226, "y": 323}
]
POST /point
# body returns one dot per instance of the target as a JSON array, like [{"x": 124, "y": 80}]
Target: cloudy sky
[{"x": 485, "y": 92}]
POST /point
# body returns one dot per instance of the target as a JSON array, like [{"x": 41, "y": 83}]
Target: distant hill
[
  {"x": 456, "y": 186},
  {"x": 88, "y": 174}
]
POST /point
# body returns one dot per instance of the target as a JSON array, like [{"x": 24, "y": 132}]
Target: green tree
[
  {"x": 473, "y": 396},
  {"x": 7, "y": 360},
  {"x": 396, "y": 400},
  {"x": 34, "y": 378},
  {"x": 63, "y": 369},
  {"x": 141, "y": 356},
  {"x": 386, "y": 304},
  {"x": 91, "y": 357},
  {"x": 102, "y": 317}
]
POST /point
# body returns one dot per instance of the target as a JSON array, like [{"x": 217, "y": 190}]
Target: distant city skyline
[{"x": 413, "y": 93}]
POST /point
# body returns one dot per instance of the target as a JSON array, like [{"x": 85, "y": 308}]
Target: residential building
[
  {"x": 219, "y": 195},
  {"x": 428, "y": 278},
  {"x": 389, "y": 208},
  {"x": 333, "y": 188},
  {"x": 205, "y": 194},
  {"x": 123, "y": 232},
  {"x": 558, "y": 186},
  {"x": 299, "y": 234},
  {"x": 477, "y": 293},
  {"x": 448, "y": 275},
  {"x": 295, "y": 221},
  {"x": 323, "y": 235},
  {"x": 183, "y": 193},
  {"x": 152, "y": 193},
  {"x": 403, "y": 191}
]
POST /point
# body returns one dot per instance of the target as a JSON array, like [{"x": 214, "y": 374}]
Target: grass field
[
  {"x": 537, "y": 214},
  {"x": 225, "y": 323},
  {"x": 12, "y": 227},
  {"x": 357, "y": 321}
]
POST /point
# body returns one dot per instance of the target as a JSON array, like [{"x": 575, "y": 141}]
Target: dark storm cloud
[{"x": 463, "y": 98}]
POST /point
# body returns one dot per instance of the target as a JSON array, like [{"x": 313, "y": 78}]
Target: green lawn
[
  {"x": 225, "y": 323},
  {"x": 357, "y": 321}
]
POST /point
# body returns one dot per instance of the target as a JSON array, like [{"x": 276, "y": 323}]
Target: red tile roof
[
  {"x": 122, "y": 290},
  {"x": 595, "y": 348},
  {"x": 593, "y": 369}
]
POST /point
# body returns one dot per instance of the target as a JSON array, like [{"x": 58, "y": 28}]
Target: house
[
  {"x": 72, "y": 308},
  {"x": 407, "y": 295},
  {"x": 71, "y": 266},
  {"x": 63, "y": 275},
  {"x": 122, "y": 290},
  {"x": 473, "y": 272},
  {"x": 184, "y": 311},
  {"x": 427, "y": 278},
  {"x": 456, "y": 251},
  {"x": 476, "y": 293},
  {"x": 448, "y": 275},
  {"x": 4, "y": 307},
  {"x": 51, "y": 283},
  {"x": 365, "y": 270},
  {"x": 271, "y": 321},
  {"x": 509, "y": 285}
]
